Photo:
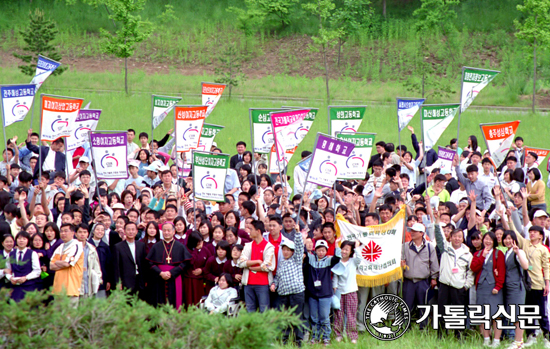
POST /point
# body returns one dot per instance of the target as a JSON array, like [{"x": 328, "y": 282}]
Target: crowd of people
[{"x": 475, "y": 233}]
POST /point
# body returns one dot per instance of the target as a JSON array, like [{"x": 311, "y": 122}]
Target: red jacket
[{"x": 499, "y": 263}]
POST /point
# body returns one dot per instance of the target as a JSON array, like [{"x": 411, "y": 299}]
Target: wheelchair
[{"x": 233, "y": 309}]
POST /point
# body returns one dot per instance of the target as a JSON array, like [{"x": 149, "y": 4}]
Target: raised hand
[{"x": 411, "y": 129}]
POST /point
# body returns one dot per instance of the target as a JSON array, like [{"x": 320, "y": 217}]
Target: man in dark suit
[
  {"x": 51, "y": 163},
  {"x": 130, "y": 264},
  {"x": 379, "y": 151},
  {"x": 235, "y": 159}
]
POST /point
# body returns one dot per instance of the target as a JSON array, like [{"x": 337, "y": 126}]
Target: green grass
[
  {"x": 387, "y": 50},
  {"x": 414, "y": 339},
  {"x": 82, "y": 83},
  {"x": 121, "y": 111}
]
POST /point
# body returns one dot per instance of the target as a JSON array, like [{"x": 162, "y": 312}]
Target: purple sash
[{"x": 179, "y": 290}]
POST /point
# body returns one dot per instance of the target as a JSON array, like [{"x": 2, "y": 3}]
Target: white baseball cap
[
  {"x": 84, "y": 159},
  {"x": 321, "y": 243},
  {"x": 418, "y": 227},
  {"x": 540, "y": 213},
  {"x": 288, "y": 243}
]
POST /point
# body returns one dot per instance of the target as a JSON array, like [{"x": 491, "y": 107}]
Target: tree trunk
[
  {"x": 339, "y": 50},
  {"x": 126, "y": 74},
  {"x": 230, "y": 74},
  {"x": 384, "y": 8},
  {"x": 423, "y": 78},
  {"x": 534, "y": 69},
  {"x": 326, "y": 72}
]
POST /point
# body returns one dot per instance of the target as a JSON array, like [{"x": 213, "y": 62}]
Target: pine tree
[{"x": 39, "y": 36}]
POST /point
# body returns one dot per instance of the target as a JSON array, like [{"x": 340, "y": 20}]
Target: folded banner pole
[
  {"x": 39, "y": 162},
  {"x": 398, "y": 128},
  {"x": 254, "y": 168},
  {"x": 176, "y": 159},
  {"x": 459, "y": 109},
  {"x": 152, "y": 117},
  {"x": 194, "y": 210},
  {"x": 93, "y": 168},
  {"x": 305, "y": 181}
]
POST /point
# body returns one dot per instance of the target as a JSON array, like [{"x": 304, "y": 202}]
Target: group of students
[{"x": 476, "y": 238}]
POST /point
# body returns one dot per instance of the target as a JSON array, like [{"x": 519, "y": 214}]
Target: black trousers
[
  {"x": 449, "y": 295},
  {"x": 536, "y": 297},
  {"x": 289, "y": 301}
]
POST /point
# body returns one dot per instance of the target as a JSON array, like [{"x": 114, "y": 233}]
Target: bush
[{"x": 125, "y": 322}]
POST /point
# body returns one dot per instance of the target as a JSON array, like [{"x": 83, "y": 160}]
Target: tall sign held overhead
[
  {"x": 16, "y": 102},
  {"x": 329, "y": 154},
  {"x": 58, "y": 116},
  {"x": 357, "y": 163},
  {"x": 499, "y": 138},
  {"x": 345, "y": 118},
  {"x": 85, "y": 122},
  {"x": 44, "y": 68},
  {"x": 211, "y": 94},
  {"x": 109, "y": 155},
  {"x": 162, "y": 105},
  {"x": 189, "y": 122},
  {"x": 435, "y": 118},
  {"x": 209, "y": 171}
]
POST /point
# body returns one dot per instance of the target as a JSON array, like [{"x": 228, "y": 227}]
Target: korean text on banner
[
  {"x": 541, "y": 154},
  {"x": 44, "y": 68},
  {"x": 499, "y": 138},
  {"x": 435, "y": 119},
  {"x": 357, "y": 163},
  {"x": 162, "y": 105},
  {"x": 288, "y": 129},
  {"x": 109, "y": 155},
  {"x": 345, "y": 119},
  {"x": 446, "y": 156},
  {"x": 329, "y": 154},
  {"x": 262, "y": 130},
  {"x": 308, "y": 121},
  {"x": 406, "y": 109},
  {"x": 208, "y": 134},
  {"x": 380, "y": 249},
  {"x": 58, "y": 117},
  {"x": 189, "y": 122},
  {"x": 276, "y": 165},
  {"x": 473, "y": 81},
  {"x": 209, "y": 173},
  {"x": 211, "y": 94},
  {"x": 16, "y": 102},
  {"x": 86, "y": 121}
]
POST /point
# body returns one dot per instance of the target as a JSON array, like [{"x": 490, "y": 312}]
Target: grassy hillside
[
  {"x": 387, "y": 50},
  {"x": 121, "y": 111}
]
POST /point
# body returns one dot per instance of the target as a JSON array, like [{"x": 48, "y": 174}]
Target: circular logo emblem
[{"x": 387, "y": 317}]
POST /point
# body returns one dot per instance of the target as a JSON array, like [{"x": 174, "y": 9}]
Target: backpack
[{"x": 525, "y": 278}]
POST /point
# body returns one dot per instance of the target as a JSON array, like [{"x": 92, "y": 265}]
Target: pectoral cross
[{"x": 168, "y": 259}]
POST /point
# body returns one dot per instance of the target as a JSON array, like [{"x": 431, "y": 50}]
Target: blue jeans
[
  {"x": 256, "y": 296},
  {"x": 319, "y": 309}
]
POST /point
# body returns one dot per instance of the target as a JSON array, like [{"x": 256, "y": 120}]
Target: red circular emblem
[{"x": 371, "y": 252}]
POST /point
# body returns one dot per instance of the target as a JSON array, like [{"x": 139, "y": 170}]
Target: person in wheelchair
[{"x": 222, "y": 295}]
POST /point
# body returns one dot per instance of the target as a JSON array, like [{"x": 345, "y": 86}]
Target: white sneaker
[
  {"x": 495, "y": 344},
  {"x": 515, "y": 345},
  {"x": 546, "y": 343},
  {"x": 530, "y": 341}
]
